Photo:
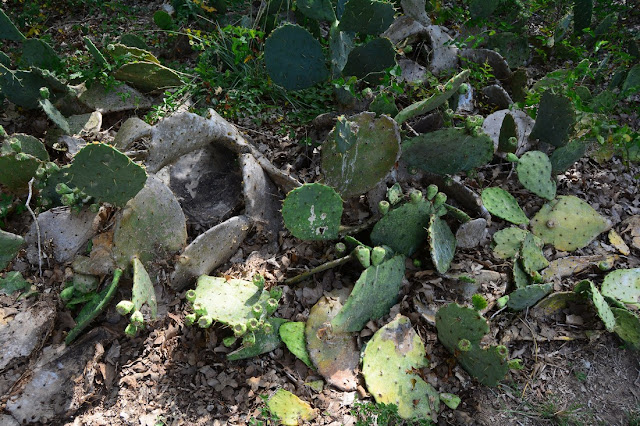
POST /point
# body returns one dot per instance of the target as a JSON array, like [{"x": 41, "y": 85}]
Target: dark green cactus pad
[
  {"x": 534, "y": 173},
  {"x": 313, "y": 212},
  {"x": 587, "y": 288},
  {"x": 447, "y": 151},
  {"x": 289, "y": 409},
  {"x": 509, "y": 240},
  {"x": 487, "y": 365},
  {"x": 106, "y": 174},
  {"x": 372, "y": 57},
  {"x": 370, "y": 17},
  {"x": 502, "y": 204},
  {"x": 23, "y": 87},
  {"x": 28, "y": 145},
  {"x": 8, "y": 30},
  {"x": 623, "y": 285},
  {"x": 10, "y": 245},
  {"x": 292, "y": 334},
  {"x": 627, "y": 327},
  {"x": 95, "y": 52},
  {"x": 582, "y": 11},
  {"x": 528, "y": 296},
  {"x": 384, "y": 103},
  {"x": 133, "y": 40},
  {"x": 482, "y": 8},
  {"x": 389, "y": 366},
  {"x": 151, "y": 226},
  {"x": 404, "y": 228},
  {"x": 514, "y": 48},
  {"x": 554, "y": 122},
  {"x": 13, "y": 281},
  {"x": 335, "y": 355},
  {"x": 568, "y": 223},
  {"x": 264, "y": 341},
  {"x": 632, "y": 82},
  {"x": 148, "y": 76},
  {"x": 16, "y": 170},
  {"x": 507, "y": 130},
  {"x": 142, "y": 290},
  {"x": 373, "y": 295},
  {"x": 531, "y": 255},
  {"x": 520, "y": 278},
  {"x": 369, "y": 159},
  {"x": 340, "y": 44},
  {"x": 38, "y": 53},
  {"x": 565, "y": 156},
  {"x": 320, "y": 10},
  {"x": 294, "y": 58},
  {"x": 442, "y": 244},
  {"x": 345, "y": 134}
]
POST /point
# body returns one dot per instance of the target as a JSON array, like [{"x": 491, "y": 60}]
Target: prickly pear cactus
[
  {"x": 509, "y": 240},
  {"x": 508, "y": 130},
  {"x": 520, "y": 278},
  {"x": 142, "y": 290},
  {"x": 23, "y": 87},
  {"x": 528, "y": 296},
  {"x": 531, "y": 255},
  {"x": 447, "y": 151},
  {"x": 389, "y": 366},
  {"x": 366, "y": 16},
  {"x": 460, "y": 330},
  {"x": 148, "y": 76},
  {"x": 106, "y": 174},
  {"x": 564, "y": 157},
  {"x": 313, "y": 212},
  {"x": 534, "y": 173},
  {"x": 38, "y": 53},
  {"x": 375, "y": 292},
  {"x": 16, "y": 170},
  {"x": 568, "y": 223},
  {"x": 10, "y": 245},
  {"x": 294, "y": 58},
  {"x": 603, "y": 309},
  {"x": 370, "y": 58},
  {"x": 627, "y": 327},
  {"x": 442, "y": 244},
  {"x": 554, "y": 122},
  {"x": 368, "y": 160},
  {"x": 623, "y": 285},
  {"x": 289, "y": 409},
  {"x": 8, "y": 30},
  {"x": 320, "y": 10},
  {"x": 502, "y": 204},
  {"x": 292, "y": 334},
  {"x": 263, "y": 340}
]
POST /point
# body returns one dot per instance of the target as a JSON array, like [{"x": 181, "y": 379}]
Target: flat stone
[{"x": 470, "y": 234}]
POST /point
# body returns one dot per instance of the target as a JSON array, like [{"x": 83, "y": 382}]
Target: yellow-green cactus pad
[
  {"x": 313, "y": 212},
  {"x": 623, "y": 285},
  {"x": 289, "y": 409},
  {"x": 292, "y": 334}
]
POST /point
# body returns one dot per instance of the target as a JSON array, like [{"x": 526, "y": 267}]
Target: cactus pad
[
  {"x": 627, "y": 327},
  {"x": 502, "y": 204},
  {"x": 10, "y": 244},
  {"x": 514, "y": 48},
  {"x": 55, "y": 115},
  {"x": 335, "y": 355},
  {"x": 534, "y": 173},
  {"x": 16, "y": 170},
  {"x": 568, "y": 223},
  {"x": 565, "y": 156},
  {"x": 509, "y": 240},
  {"x": 508, "y": 130},
  {"x": 447, "y": 151},
  {"x": 531, "y": 255},
  {"x": 23, "y": 87},
  {"x": 38, "y": 53},
  {"x": 265, "y": 340},
  {"x": 8, "y": 30},
  {"x": 372, "y": 57},
  {"x": 520, "y": 278},
  {"x": 292, "y": 334},
  {"x": 320, "y": 10},
  {"x": 106, "y": 174},
  {"x": 442, "y": 244},
  {"x": 555, "y": 119},
  {"x": 528, "y": 296},
  {"x": 313, "y": 212},
  {"x": 294, "y": 58},
  {"x": 366, "y": 16},
  {"x": 623, "y": 285},
  {"x": 389, "y": 366},
  {"x": 369, "y": 159},
  {"x": 142, "y": 290},
  {"x": 586, "y": 287},
  {"x": 289, "y": 409},
  {"x": 148, "y": 76},
  {"x": 375, "y": 292}
]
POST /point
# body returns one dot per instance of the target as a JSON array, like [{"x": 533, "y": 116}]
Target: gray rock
[{"x": 470, "y": 234}]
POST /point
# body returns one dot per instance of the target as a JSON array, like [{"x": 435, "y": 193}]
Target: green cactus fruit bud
[
  {"x": 205, "y": 321},
  {"x": 448, "y": 114},
  {"x": 512, "y": 157},
  {"x": 415, "y": 196},
  {"x": 229, "y": 341},
  {"x": 95, "y": 208},
  {"x": 512, "y": 142},
  {"x": 190, "y": 319},
  {"x": 44, "y": 93},
  {"x": 68, "y": 199},
  {"x": 276, "y": 292},
  {"x": 463, "y": 89},
  {"x": 239, "y": 329},
  {"x": 537, "y": 278},
  {"x": 383, "y": 206},
  {"x": 131, "y": 330},
  {"x": 515, "y": 364},
  {"x": 394, "y": 194},
  {"x": 67, "y": 294},
  {"x": 21, "y": 156},
  {"x": 439, "y": 199},
  {"x": 605, "y": 265},
  {"x": 502, "y": 351},
  {"x": 464, "y": 345},
  {"x": 432, "y": 190},
  {"x": 51, "y": 167},
  {"x": 137, "y": 319},
  {"x": 479, "y": 302},
  {"x": 417, "y": 263},
  {"x": 257, "y": 310},
  {"x": 267, "y": 328},
  {"x": 40, "y": 173},
  {"x": 341, "y": 249},
  {"x": 450, "y": 400},
  {"x": 190, "y": 296},
  {"x": 199, "y": 309},
  {"x": 258, "y": 280},
  {"x": 363, "y": 254},
  {"x": 253, "y": 324},
  {"x": 377, "y": 255},
  {"x": 249, "y": 339},
  {"x": 272, "y": 306},
  {"x": 125, "y": 307},
  {"x": 16, "y": 145},
  {"x": 502, "y": 302},
  {"x": 442, "y": 210}
]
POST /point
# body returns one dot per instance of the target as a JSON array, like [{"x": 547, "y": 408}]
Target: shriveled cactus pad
[
  {"x": 290, "y": 409},
  {"x": 334, "y": 354},
  {"x": 623, "y": 285},
  {"x": 365, "y": 162},
  {"x": 389, "y": 366},
  {"x": 568, "y": 223},
  {"x": 502, "y": 204},
  {"x": 312, "y": 212}
]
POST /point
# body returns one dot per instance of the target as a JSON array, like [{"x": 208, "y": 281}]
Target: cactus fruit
[
  {"x": 294, "y": 58},
  {"x": 369, "y": 159},
  {"x": 555, "y": 119},
  {"x": 525, "y": 297},
  {"x": 389, "y": 365},
  {"x": 568, "y": 223},
  {"x": 394, "y": 194},
  {"x": 292, "y": 334},
  {"x": 531, "y": 255},
  {"x": 603, "y": 309},
  {"x": 447, "y": 151},
  {"x": 375, "y": 292},
  {"x": 534, "y": 173},
  {"x": 334, "y": 354},
  {"x": 623, "y": 285},
  {"x": 565, "y": 156},
  {"x": 363, "y": 254},
  {"x": 442, "y": 243},
  {"x": 313, "y": 212},
  {"x": 627, "y": 327},
  {"x": 502, "y": 204},
  {"x": 289, "y": 409},
  {"x": 509, "y": 240},
  {"x": 10, "y": 245},
  {"x": 455, "y": 323},
  {"x": 106, "y": 174},
  {"x": 370, "y": 58},
  {"x": 434, "y": 101},
  {"x": 264, "y": 339}
]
